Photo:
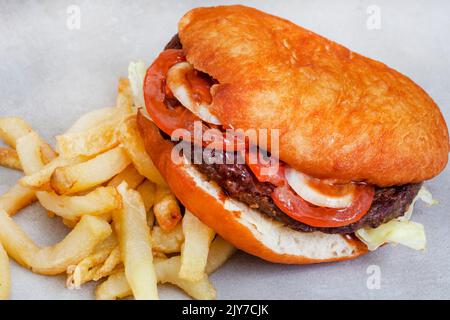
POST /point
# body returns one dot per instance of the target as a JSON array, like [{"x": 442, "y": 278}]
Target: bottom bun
[{"x": 242, "y": 226}]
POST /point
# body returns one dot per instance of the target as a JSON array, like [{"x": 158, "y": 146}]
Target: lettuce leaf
[
  {"x": 400, "y": 230},
  {"x": 136, "y": 75},
  {"x": 407, "y": 233}
]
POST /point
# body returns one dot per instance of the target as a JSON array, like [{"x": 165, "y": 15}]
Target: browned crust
[
  {"x": 212, "y": 212},
  {"x": 340, "y": 115}
]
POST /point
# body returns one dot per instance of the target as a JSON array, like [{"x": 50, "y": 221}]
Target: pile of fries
[{"x": 128, "y": 230}]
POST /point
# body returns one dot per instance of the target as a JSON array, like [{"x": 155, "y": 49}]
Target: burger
[{"x": 290, "y": 146}]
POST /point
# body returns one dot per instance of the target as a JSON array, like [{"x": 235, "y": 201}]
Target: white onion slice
[
  {"x": 177, "y": 83},
  {"x": 299, "y": 183}
]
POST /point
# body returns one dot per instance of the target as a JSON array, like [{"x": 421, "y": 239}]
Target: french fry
[
  {"x": 219, "y": 252},
  {"x": 94, "y": 132},
  {"x": 9, "y": 159},
  {"x": 91, "y": 120},
  {"x": 167, "y": 270},
  {"x": 91, "y": 142},
  {"x": 76, "y": 246},
  {"x": 16, "y": 198},
  {"x": 29, "y": 150},
  {"x": 110, "y": 264},
  {"x": 166, "y": 209},
  {"x": 99, "y": 201},
  {"x": 130, "y": 175},
  {"x": 109, "y": 243},
  {"x": 194, "y": 252},
  {"x": 135, "y": 244},
  {"x": 12, "y": 129},
  {"x": 85, "y": 270},
  {"x": 167, "y": 242},
  {"x": 130, "y": 138},
  {"x": 47, "y": 153},
  {"x": 16, "y": 242},
  {"x": 115, "y": 287},
  {"x": 28, "y": 147},
  {"x": 167, "y": 212},
  {"x": 88, "y": 143},
  {"x": 79, "y": 275},
  {"x": 83, "y": 176},
  {"x": 5, "y": 277},
  {"x": 40, "y": 180},
  {"x": 147, "y": 190},
  {"x": 30, "y": 155}
]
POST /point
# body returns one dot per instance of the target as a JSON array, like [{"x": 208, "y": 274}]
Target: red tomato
[
  {"x": 167, "y": 118},
  {"x": 303, "y": 211},
  {"x": 167, "y": 113},
  {"x": 258, "y": 168}
]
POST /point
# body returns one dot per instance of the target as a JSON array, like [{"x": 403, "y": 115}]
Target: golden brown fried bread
[{"x": 340, "y": 115}]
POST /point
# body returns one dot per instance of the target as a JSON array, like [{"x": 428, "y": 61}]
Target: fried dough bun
[
  {"x": 340, "y": 115},
  {"x": 245, "y": 228}
]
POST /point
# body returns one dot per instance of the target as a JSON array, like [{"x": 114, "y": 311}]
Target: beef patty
[{"x": 238, "y": 182}]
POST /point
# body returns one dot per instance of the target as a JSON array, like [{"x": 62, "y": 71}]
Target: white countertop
[{"x": 50, "y": 75}]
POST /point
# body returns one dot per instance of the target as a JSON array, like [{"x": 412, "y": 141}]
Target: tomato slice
[
  {"x": 303, "y": 211},
  {"x": 167, "y": 118},
  {"x": 260, "y": 169},
  {"x": 167, "y": 113}
]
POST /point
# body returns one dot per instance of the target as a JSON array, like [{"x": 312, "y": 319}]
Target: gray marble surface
[{"x": 50, "y": 75}]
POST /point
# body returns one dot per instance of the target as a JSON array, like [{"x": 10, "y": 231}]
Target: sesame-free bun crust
[
  {"x": 340, "y": 115},
  {"x": 247, "y": 229}
]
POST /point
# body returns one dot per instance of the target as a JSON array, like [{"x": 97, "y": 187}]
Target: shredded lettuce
[
  {"x": 407, "y": 233},
  {"x": 400, "y": 230},
  {"x": 136, "y": 75}
]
